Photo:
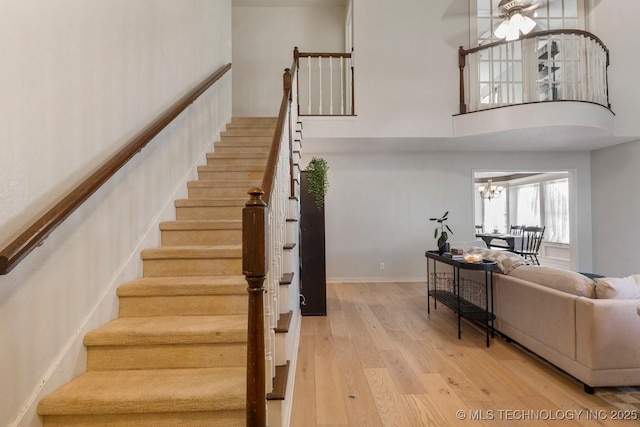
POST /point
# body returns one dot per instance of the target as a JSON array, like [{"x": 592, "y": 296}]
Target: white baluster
[
  {"x": 309, "y": 85},
  {"x": 330, "y": 85},
  {"x": 342, "y": 80},
  {"x": 320, "y": 83}
]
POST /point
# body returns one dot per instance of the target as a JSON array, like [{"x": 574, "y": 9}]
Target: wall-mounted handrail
[
  {"x": 41, "y": 227},
  {"x": 592, "y": 61},
  {"x": 256, "y": 236}
]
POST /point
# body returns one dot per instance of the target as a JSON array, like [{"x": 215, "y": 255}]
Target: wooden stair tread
[
  {"x": 170, "y": 330},
  {"x": 230, "y": 224},
  {"x": 279, "y": 383},
  {"x": 192, "y": 252},
  {"x": 286, "y": 279},
  {"x": 283, "y": 323},
  {"x": 149, "y": 391},
  {"x": 182, "y": 286}
]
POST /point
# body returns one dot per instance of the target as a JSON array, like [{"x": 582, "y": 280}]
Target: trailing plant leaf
[{"x": 317, "y": 172}]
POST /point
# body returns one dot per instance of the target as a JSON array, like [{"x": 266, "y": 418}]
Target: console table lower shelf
[{"x": 469, "y": 299}]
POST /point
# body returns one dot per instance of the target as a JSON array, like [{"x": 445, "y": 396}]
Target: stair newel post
[
  {"x": 462, "y": 60},
  {"x": 254, "y": 267}
]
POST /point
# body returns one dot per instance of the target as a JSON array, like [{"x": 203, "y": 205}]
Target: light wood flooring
[{"x": 378, "y": 359}]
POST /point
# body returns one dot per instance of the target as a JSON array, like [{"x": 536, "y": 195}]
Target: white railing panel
[
  {"x": 325, "y": 84},
  {"x": 548, "y": 67}
]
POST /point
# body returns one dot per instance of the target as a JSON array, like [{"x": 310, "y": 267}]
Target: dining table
[{"x": 506, "y": 241}]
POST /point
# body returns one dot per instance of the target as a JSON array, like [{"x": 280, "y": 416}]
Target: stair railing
[
  {"x": 326, "y": 83},
  {"x": 41, "y": 227},
  {"x": 263, "y": 241},
  {"x": 554, "y": 65}
]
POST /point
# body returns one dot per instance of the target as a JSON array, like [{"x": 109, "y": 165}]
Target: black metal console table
[{"x": 468, "y": 298}]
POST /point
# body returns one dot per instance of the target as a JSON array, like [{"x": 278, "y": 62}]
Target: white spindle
[
  {"x": 330, "y": 85},
  {"x": 320, "y": 85},
  {"x": 342, "y": 80},
  {"x": 309, "y": 85}
]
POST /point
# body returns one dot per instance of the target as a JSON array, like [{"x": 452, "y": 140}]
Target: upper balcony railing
[
  {"x": 325, "y": 82},
  {"x": 555, "y": 65}
]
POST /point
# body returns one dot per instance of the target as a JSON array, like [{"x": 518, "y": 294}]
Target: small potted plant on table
[{"x": 443, "y": 230}]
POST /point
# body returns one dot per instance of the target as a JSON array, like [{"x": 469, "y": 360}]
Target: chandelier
[
  {"x": 490, "y": 191},
  {"x": 514, "y": 24}
]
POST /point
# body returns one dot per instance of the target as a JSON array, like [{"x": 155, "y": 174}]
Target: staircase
[{"x": 176, "y": 356}]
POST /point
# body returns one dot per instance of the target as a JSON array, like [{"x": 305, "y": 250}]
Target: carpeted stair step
[
  {"x": 252, "y": 131},
  {"x": 168, "y": 342},
  {"x": 194, "y": 209},
  {"x": 170, "y": 261},
  {"x": 236, "y": 159},
  {"x": 211, "y": 397},
  {"x": 183, "y": 296},
  {"x": 221, "y": 188},
  {"x": 245, "y": 140},
  {"x": 201, "y": 232},
  {"x": 241, "y": 147},
  {"x": 240, "y": 172},
  {"x": 254, "y": 122}
]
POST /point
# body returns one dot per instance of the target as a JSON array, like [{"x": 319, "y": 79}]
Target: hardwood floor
[{"x": 378, "y": 359}]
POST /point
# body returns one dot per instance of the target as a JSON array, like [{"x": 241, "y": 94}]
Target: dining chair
[
  {"x": 479, "y": 228},
  {"x": 531, "y": 241},
  {"x": 516, "y": 230}
]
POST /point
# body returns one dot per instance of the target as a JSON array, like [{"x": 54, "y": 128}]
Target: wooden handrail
[
  {"x": 255, "y": 265},
  {"x": 40, "y": 229},
  {"x": 325, "y": 54},
  {"x": 534, "y": 35}
]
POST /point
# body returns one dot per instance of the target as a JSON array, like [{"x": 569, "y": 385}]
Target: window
[
  {"x": 556, "y": 210},
  {"x": 495, "y": 213},
  {"x": 545, "y": 203},
  {"x": 527, "y": 198},
  {"x": 531, "y": 71}
]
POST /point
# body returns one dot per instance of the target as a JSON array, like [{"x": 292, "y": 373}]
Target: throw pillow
[
  {"x": 556, "y": 278},
  {"x": 618, "y": 287}
]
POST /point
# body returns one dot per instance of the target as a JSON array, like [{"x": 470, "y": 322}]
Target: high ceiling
[{"x": 288, "y": 3}]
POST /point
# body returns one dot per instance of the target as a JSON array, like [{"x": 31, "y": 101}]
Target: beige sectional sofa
[{"x": 557, "y": 315}]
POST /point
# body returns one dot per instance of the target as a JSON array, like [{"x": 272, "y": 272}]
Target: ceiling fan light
[
  {"x": 502, "y": 30},
  {"x": 516, "y": 20},
  {"x": 527, "y": 25},
  {"x": 513, "y": 33}
]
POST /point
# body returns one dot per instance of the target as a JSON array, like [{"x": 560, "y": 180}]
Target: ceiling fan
[{"x": 517, "y": 18}]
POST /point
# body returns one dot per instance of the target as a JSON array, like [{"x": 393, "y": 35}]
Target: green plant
[
  {"x": 440, "y": 229},
  {"x": 317, "y": 171}
]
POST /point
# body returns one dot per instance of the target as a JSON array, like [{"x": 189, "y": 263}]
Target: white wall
[
  {"x": 612, "y": 21},
  {"x": 406, "y": 65},
  {"x": 616, "y": 209},
  {"x": 379, "y": 204},
  {"x": 263, "y": 42},
  {"x": 78, "y": 79}
]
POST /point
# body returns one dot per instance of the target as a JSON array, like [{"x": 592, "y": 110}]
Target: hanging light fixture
[
  {"x": 490, "y": 191},
  {"x": 514, "y": 23}
]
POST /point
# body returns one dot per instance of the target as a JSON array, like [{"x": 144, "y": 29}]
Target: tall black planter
[{"x": 313, "y": 275}]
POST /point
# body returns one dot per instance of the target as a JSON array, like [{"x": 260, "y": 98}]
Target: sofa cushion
[
  {"x": 557, "y": 278},
  {"x": 506, "y": 261},
  {"x": 618, "y": 287}
]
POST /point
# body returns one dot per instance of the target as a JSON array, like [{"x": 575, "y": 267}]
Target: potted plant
[
  {"x": 443, "y": 230},
  {"x": 317, "y": 171}
]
